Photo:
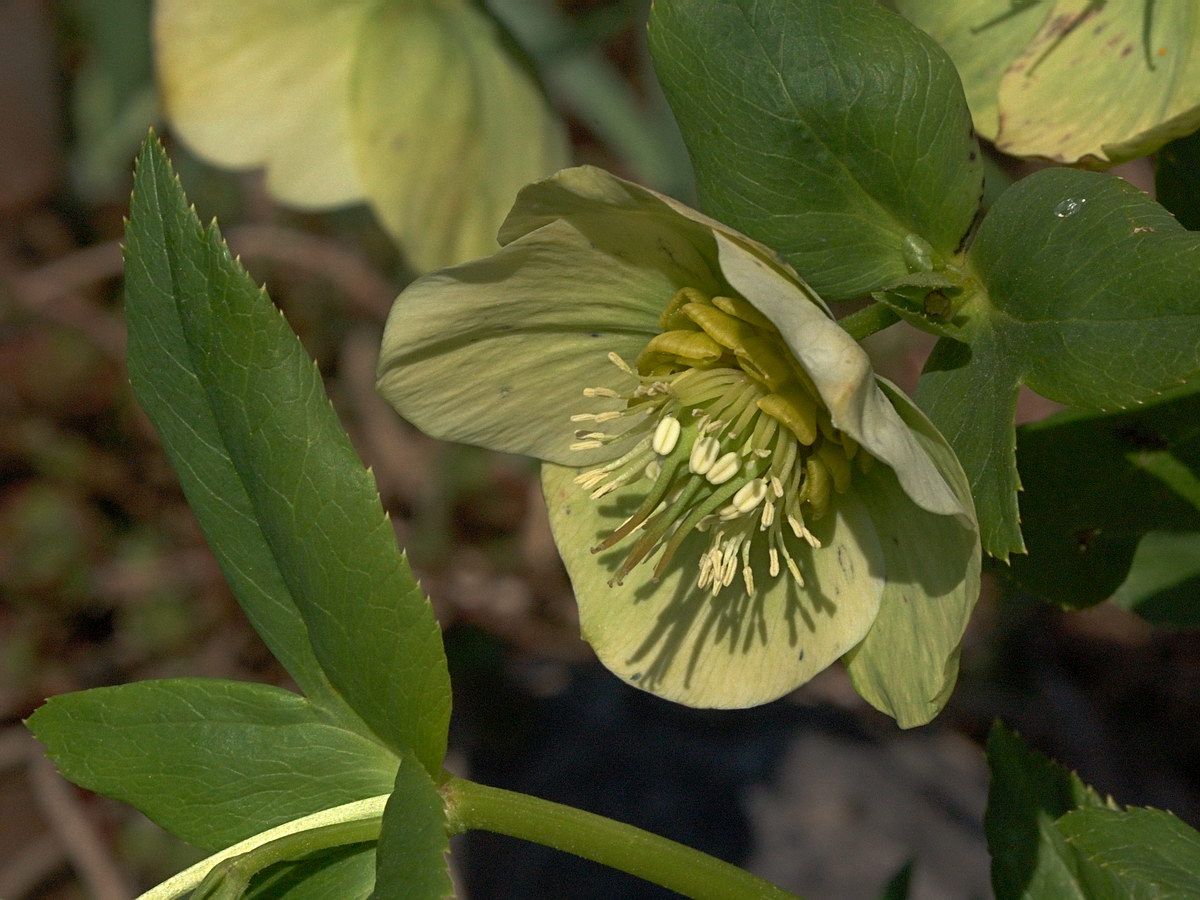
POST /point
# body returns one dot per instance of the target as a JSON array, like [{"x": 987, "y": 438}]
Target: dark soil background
[{"x": 105, "y": 577}]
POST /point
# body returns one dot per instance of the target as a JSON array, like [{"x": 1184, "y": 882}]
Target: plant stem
[
  {"x": 664, "y": 862},
  {"x": 868, "y": 320}
]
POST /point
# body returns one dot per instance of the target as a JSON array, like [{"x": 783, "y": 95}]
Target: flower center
[{"x": 732, "y": 437}]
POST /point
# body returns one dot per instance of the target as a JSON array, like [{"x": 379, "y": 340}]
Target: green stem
[
  {"x": 868, "y": 320},
  {"x": 664, "y": 862}
]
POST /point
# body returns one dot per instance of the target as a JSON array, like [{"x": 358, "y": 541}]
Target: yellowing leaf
[{"x": 1074, "y": 81}]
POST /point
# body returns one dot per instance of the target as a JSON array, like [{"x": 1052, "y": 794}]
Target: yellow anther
[{"x": 795, "y": 409}]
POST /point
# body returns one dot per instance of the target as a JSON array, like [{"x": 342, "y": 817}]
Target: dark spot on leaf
[
  {"x": 800, "y": 655},
  {"x": 636, "y": 676},
  {"x": 844, "y": 561},
  {"x": 972, "y": 156},
  {"x": 1128, "y": 49},
  {"x": 594, "y": 334}
]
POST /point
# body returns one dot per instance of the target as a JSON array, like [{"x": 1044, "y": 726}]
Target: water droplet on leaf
[{"x": 1069, "y": 207}]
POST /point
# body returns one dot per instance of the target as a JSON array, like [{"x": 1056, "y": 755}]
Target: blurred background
[{"x": 105, "y": 577}]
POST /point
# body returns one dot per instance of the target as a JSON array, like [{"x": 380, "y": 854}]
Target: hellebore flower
[
  {"x": 415, "y": 107},
  {"x": 738, "y": 499}
]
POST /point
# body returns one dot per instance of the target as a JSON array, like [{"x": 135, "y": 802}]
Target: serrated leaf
[
  {"x": 213, "y": 762},
  {"x": 414, "y": 842},
  {"x": 1087, "y": 293},
  {"x": 1095, "y": 486},
  {"x": 1148, "y": 852},
  {"x": 830, "y": 131},
  {"x": 1074, "y": 81},
  {"x": 1028, "y": 792},
  {"x": 281, "y": 453}
]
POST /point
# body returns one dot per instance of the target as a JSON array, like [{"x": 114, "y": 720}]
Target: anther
[
  {"x": 723, "y": 469},
  {"x": 750, "y": 495},
  {"x": 704, "y": 453},
  {"x": 666, "y": 435}
]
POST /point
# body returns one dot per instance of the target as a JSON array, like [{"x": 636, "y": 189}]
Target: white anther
[
  {"x": 652, "y": 470},
  {"x": 725, "y": 513},
  {"x": 704, "y": 453},
  {"x": 774, "y": 563},
  {"x": 607, "y": 393},
  {"x": 586, "y": 445},
  {"x": 749, "y": 495},
  {"x": 723, "y": 469},
  {"x": 768, "y": 515},
  {"x": 666, "y": 435},
  {"x": 776, "y": 486},
  {"x": 621, "y": 364}
]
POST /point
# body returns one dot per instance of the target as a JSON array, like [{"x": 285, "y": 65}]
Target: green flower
[
  {"x": 738, "y": 499},
  {"x": 415, "y": 107}
]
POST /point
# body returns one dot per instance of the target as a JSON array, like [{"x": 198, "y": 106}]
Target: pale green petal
[
  {"x": 842, "y": 373},
  {"x": 623, "y": 219},
  {"x": 907, "y": 664},
  {"x": 676, "y": 641},
  {"x": 446, "y": 126},
  {"x": 497, "y": 352},
  {"x": 249, "y": 83}
]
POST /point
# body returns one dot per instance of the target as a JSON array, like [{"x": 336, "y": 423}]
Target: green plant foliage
[
  {"x": 247, "y": 422},
  {"x": 1147, "y": 852},
  {"x": 1085, "y": 291},
  {"x": 1163, "y": 585},
  {"x": 414, "y": 841},
  {"x": 1081, "y": 540},
  {"x": 213, "y": 762},
  {"x": 1177, "y": 179},
  {"x": 346, "y": 873},
  {"x": 1031, "y": 860},
  {"x": 1074, "y": 81},
  {"x": 830, "y": 131}
]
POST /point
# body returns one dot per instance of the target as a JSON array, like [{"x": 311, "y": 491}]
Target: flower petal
[
  {"x": 624, "y": 219},
  {"x": 446, "y": 127},
  {"x": 263, "y": 83},
  {"x": 907, "y": 664},
  {"x": 497, "y": 352},
  {"x": 841, "y": 371},
  {"x": 675, "y": 640}
]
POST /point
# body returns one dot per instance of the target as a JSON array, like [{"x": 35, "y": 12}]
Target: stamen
[
  {"x": 666, "y": 435},
  {"x": 704, "y": 453},
  {"x": 723, "y": 469}
]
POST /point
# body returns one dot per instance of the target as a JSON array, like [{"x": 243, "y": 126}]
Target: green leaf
[
  {"x": 830, "y": 131},
  {"x": 1148, "y": 852},
  {"x": 1027, "y": 793},
  {"x": 1095, "y": 486},
  {"x": 346, "y": 873},
  {"x": 1086, "y": 292},
  {"x": 213, "y": 762},
  {"x": 276, "y": 462},
  {"x": 1177, "y": 179},
  {"x": 414, "y": 841},
  {"x": 1074, "y": 81},
  {"x": 1164, "y": 580}
]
